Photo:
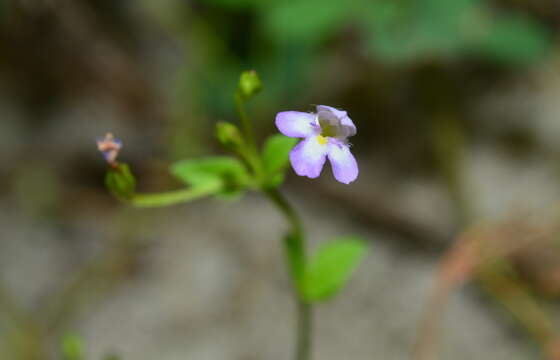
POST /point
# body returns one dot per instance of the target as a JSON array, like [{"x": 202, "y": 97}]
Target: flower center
[
  {"x": 328, "y": 129},
  {"x": 322, "y": 140}
]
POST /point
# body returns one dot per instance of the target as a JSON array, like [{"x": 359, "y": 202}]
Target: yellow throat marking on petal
[{"x": 322, "y": 140}]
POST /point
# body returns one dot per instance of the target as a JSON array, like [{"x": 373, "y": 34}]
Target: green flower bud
[
  {"x": 120, "y": 181},
  {"x": 249, "y": 84},
  {"x": 229, "y": 135}
]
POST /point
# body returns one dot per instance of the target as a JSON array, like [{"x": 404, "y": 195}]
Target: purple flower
[
  {"x": 324, "y": 134},
  {"x": 109, "y": 146}
]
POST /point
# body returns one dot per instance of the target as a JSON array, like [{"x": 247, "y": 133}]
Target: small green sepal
[{"x": 120, "y": 181}]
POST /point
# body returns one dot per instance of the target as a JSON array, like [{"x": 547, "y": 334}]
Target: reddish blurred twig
[{"x": 477, "y": 255}]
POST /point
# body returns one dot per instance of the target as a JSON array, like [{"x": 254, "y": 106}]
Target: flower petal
[
  {"x": 308, "y": 157},
  {"x": 338, "y": 113},
  {"x": 348, "y": 127},
  {"x": 344, "y": 165},
  {"x": 295, "y": 123}
]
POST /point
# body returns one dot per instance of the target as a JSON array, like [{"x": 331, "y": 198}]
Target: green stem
[
  {"x": 294, "y": 243},
  {"x": 303, "y": 349},
  {"x": 245, "y": 121},
  {"x": 284, "y": 206},
  {"x": 250, "y": 152},
  {"x": 295, "y": 253},
  {"x": 174, "y": 197}
]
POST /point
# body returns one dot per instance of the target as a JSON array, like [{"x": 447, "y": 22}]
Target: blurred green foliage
[
  {"x": 290, "y": 42},
  {"x": 404, "y": 31}
]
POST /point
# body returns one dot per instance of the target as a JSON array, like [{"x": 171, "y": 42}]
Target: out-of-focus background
[{"x": 457, "y": 104}]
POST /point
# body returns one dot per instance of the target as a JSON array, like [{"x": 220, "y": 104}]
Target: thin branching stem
[
  {"x": 245, "y": 121},
  {"x": 294, "y": 242},
  {"x": 296, "y": 255},
  {"x": 175, "y": 197}
]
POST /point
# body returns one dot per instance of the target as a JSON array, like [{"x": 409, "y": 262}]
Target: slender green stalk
[
  {"x": 284, "y": 206},
  {"x": 250, "y": 152},
  {"x": 245, "y": 121},
  {"x": 304, "y": 330},
  {"x": 174, "y": 197},
  {"x": 295, "y": 254},
  {"x": 294, "y": 243}
]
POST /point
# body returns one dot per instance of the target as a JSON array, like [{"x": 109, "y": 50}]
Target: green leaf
[
  {"x": 120, "y": 181},
  {"x": 275, "y": 157},
  {"x": 72, "y": 347},
  {"x": 331, "y": 267},
  {"x": 227, "y": 171}
]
